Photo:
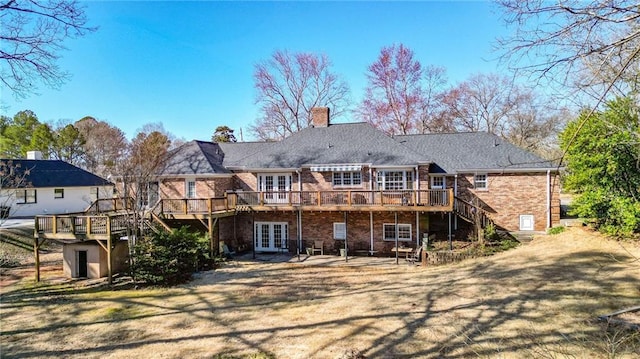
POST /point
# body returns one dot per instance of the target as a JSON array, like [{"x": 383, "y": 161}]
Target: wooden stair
[{"x": 471, "y": 213}]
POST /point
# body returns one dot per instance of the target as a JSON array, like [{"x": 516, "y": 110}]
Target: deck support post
[
  {"x": 36, "y": 253},
  {"x": 109, "y": 248},
  {"x": 109, "y": 259},
  {"x": 371, "y": 231},
  {"x": 346, "y": 237},
  {"x": 450, "y": 239},
  {"x": 211, "y": 246}
]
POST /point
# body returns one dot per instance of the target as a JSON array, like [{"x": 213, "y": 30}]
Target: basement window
[
  {"x": 404, "y": 232},
  {"x": 339, "y": 230}
]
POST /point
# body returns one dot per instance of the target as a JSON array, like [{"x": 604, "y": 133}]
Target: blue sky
[{"x": 189, "y": 65}]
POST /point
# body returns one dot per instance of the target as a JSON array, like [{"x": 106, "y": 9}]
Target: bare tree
[
  {"x": 104, "y": 147},
  {"x": 394, "y": 98},
  {"x": 289, "y": 85},
  {"x": 32, "y": 35},
  {"x": 433, "y": 90},
  {"x": 12, "y": 179},
  {"x": 481, "y": 103},
  {"x": 534, "y": 124},
  {"x": 594, "y": 45},
  {"x": 494, "y": 104}
]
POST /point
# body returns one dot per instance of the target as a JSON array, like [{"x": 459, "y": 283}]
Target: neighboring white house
[{"x": 50, "y": 187}]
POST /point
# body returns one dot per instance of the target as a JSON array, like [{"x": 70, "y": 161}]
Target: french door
[
  {"x": 276, "y": 187},
  {"x": 270, "y": 236}
]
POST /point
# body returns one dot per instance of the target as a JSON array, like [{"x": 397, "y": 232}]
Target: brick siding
[{"x": 510, "y": 195}]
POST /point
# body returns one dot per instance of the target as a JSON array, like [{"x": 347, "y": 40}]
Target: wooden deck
[
  {"x": 80, "y": 227},
  {"x": 100, "y": 226}
]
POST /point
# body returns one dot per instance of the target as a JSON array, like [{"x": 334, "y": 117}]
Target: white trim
[
  {"x": 339, "y": 233},
  {"x": 271, "y": 245},
  {"x": 486, "y": 182},
  {"x": 351, "y": 179},
  {"x": 527, "y": 222},
  {"x": 548, "y": 199},
  {"x": 508, "y": 170},
  {"x": 381, "y": 181},
  {"x": 186, "y": 188},
  {"x": 433, "y": 177}
]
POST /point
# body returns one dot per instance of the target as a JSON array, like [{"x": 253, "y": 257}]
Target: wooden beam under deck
[{"x": 200, "y": 216}]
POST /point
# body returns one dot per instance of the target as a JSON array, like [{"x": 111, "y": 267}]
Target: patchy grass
[
  {"x": 556, "y": 230},
  {"x": 538, "y": 300}
]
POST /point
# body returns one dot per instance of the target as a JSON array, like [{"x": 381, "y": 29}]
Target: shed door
[{"x": 82, "y": 264}]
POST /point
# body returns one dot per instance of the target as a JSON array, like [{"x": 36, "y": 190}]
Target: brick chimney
[{"x": 320, "y": 116}]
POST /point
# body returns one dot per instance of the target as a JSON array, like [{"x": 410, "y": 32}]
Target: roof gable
[{"x": 195, "y": 158}]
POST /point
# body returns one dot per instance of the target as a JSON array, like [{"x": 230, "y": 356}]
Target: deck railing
[
  {"x": 193, "y": 205},
  {"x": 352, "y": 198},
  {"x": 105, "y": 205},
  {"x": 81, "y": 225}
]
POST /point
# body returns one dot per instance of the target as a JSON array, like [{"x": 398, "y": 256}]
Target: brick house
[{"x": 332, "y": 182}]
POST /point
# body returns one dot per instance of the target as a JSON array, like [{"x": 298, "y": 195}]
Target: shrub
[
  {"x": 169, "y": 258},
  {"x": 490, "y": 232}
]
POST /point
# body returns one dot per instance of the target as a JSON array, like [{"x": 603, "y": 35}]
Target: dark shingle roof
[
  {"x": 457, "y": 152},
  {"x": 54, "y": 173},
  {"x": 235, "y": 153},
  {"x": 195, "y": 158},
  {"x": 350, "y": 143}
]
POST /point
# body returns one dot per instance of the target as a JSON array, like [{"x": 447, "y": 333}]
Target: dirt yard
[{"x": 538, "y": 300}]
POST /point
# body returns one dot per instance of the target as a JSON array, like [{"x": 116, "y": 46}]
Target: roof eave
[{"x": 508, "y": 170}]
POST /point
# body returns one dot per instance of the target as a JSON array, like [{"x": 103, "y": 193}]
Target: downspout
[
  {"x": 371, "y": 231},
  {"x": 299, "y": 213},
  {"x": 548, "y": 198},
  {"x": 417, "y": 199},
  {"x": 455, "y": 194}
]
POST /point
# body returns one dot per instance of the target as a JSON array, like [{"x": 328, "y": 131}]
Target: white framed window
[
  {"x": 190, "y": 189},
  {"x": 395, "y": 180},
  {"x": 438, "y": 182},
  {"x": 339, "y": 230},
  {"x": 24, "y": 196},
  {"x": 347, "y": 179},
  {"x": 58, "y": 193},
  {"x": 404, "y": 232},
  {"x": 480, "y": 181}
]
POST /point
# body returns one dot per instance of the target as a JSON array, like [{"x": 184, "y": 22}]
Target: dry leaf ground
[{"x": 538, "y": 300}]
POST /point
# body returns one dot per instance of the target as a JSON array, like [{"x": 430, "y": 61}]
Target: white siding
[{"x": 76, "y": 199}]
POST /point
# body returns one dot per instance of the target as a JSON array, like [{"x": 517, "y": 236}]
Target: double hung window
[
  {"x": 347, "y": 179},
  {"x": 395, "y": 180},
  {"x": 404, "y": 232}
]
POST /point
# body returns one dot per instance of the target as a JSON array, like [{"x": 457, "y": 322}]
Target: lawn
[{"x": 538, "y": 300}]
